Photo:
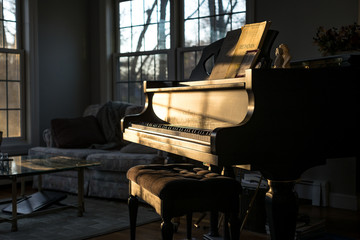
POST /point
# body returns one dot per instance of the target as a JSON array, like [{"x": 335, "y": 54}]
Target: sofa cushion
[
  {"x": 121, "y": 162},
  {"x": 79, "y": 132},
  {"x": 69, "y": 152}
]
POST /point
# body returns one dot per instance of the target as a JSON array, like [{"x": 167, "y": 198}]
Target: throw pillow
[{"x": 76, "y": 132}]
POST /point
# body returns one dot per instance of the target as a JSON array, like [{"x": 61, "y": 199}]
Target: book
[{"x": 229, "y": 61}]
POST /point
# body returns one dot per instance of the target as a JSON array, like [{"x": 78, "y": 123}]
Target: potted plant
[{"x": 334, "y": 41}]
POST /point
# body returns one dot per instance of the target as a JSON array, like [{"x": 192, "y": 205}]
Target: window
[
  {"x": 11, "y": 113},
  {"x": 149, "y": 49}
]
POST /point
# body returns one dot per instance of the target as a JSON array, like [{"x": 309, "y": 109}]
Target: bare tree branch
[{"x": 139, "y": 44}]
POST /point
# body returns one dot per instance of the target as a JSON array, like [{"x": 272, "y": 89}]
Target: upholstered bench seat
[{"x": 179, "y": 189}]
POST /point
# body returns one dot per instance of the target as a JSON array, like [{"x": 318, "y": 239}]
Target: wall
[
  {"x": 340, "y": 174},
  {"x": 63, "y": 45},
  {"x": 297, "y": 21}
]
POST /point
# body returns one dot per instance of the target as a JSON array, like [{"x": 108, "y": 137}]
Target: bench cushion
[{"x": 176, "y": 181}]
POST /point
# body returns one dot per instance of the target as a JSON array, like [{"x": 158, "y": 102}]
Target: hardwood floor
[{"x": 340, "y": 222}]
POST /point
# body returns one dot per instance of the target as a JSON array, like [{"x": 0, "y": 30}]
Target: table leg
[
  {"x": 39, "y": 182},
  {"x": 81, "y": 207},
  {"x": 14, "y": 205},
  {"x": 22, "y": 191}
]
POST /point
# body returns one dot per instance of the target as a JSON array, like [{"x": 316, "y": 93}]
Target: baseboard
[
  {"x": 315, "y": 190},
  {"x": 338, "y": 200}
]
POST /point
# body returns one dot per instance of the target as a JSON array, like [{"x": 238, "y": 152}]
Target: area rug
[{"x": 100, "y": 217}]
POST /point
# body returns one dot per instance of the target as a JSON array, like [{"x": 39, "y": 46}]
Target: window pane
[
  {"x": 222, "y": 26},
  {"x": 136, "y": 93},
  {"x": 9, "y": 10},
  {"x": 238, "y": 20},
  {"x": 223, "y": 6},
  {"x": 14, "y": 123},
  {"x": 3, "y": 123},
  {"x": 135, "y": 68},
  {"x": 125, "y": 40},
  {"x": 190, "y": 9},
  {"x": 150, "y": 8},
  {"x": 2, "y": 66},
  {"x": 206, "y": 30},
  {"x": 137, "y": 39},
  {"x": 161, "y": 62},
  {"x": 148, "y": 71},
  {"x": 125, "y": 14},
  {"x": 13, "y": 66},
  {"x": 14, "y": 94},
  {"x": 3, "y": 95},
  {"x": 123, "y": 69},
  {"x": 164, "y": 10},
  {"x": 239, "y": 5},
  {"x": 164, "y": 36},
  {"x": 137, "y": 12},
  {"x": 122, "y": 92},
  {"x": 191, "y": 33},
  {"x": 10, "y": 34},
  {"x": 151, "y": 37},
  {"x": 206, "y": 7},
  {"x": 190, "y": 61}
]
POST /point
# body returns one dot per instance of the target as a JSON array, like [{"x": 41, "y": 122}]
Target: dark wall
[
  {"x": 63, "y": 51},
  {"x": 297, "y": 21}
]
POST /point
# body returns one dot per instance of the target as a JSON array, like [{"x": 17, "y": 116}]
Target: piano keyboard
[{"x": 202, "y": 135}]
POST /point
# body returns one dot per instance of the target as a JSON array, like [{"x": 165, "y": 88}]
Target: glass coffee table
[{"x": 22, "y": 166}]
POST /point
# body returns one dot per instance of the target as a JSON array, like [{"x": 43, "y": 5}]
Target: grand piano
[{"x": 280, "y": 122}]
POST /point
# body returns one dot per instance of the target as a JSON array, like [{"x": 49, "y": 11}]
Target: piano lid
[{"x": 202, "y": 104}]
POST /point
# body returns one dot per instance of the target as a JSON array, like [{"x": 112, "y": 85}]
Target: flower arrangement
[{"x": 333, "y": 40}]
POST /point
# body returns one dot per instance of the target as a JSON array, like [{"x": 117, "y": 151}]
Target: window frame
[
  {"x": 171, "y": 52},
  {"x": 29, "y": 74},
  {"x": 177, "y": 48},
  {"x": 20, "y": 51}
]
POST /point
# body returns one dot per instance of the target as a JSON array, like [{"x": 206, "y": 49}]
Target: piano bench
[{"x": 176, "y": 190}]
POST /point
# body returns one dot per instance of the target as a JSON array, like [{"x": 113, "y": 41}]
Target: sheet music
[{"x": 251, "y": 38}]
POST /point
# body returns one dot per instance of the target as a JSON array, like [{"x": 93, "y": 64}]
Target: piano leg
[
  {"x": 282, "y": 209},
  {"x": 214, "y": 216}
]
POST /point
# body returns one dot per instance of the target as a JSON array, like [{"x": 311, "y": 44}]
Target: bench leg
[
  {"x": 226, "y": 226},
  {"x": 167, "y": 229},
  {"x": 234, "y": 226},
  {"x": 214, "y": 218},
  {"x": 133, "y": 204},
  {"x": 188, "y": 225}
]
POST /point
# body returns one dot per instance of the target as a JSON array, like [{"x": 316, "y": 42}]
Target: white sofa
[{"x": 109, "y": 179}]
